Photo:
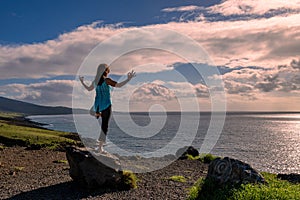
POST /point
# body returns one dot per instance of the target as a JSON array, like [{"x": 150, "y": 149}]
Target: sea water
[{"x": 269, "y": 142}]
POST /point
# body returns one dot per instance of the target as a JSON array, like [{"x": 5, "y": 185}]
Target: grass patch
[
  {"x": 60, "y": 161},
  {"x": 195, "y": 189},
  {"x": 10, "y": 115},
  {"x": 128, "y": 180},
  {"x": 275, "y": 189},
  {"x": 190, "y": 157},
  {"x": 180, "y": 179},
  {"x": 34, "y": 138},
  {"x": 18, "y": 169},
  {"x": 2, "y": 147},
  {"x": 207, "y": 158}
]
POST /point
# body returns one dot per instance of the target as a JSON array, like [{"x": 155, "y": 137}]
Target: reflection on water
[
  {"x": 269, "y": 142},
  {"x": 266, "y": 142}
]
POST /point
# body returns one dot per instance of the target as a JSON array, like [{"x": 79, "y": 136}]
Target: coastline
[{"x": 44, "y": 174}]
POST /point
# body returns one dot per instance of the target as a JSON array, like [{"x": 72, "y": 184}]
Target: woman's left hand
[{"x": 131, "y": 74}]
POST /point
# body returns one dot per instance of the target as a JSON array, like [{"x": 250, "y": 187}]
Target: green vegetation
[
  {"x": 195, "y": 189},
  {"x": 60, "y": 161},
  {"x": 275, "y": 189},
  {"x": 17, "y": 169},
  {"x": 180, "y": 179},
  {"x": 35, "y": 138},
  {"x": 9, "y": 115},
  {"x": 128, "y": 180},
  {"x": 207, "y": 158},
  {"x": 2, "y": 147},
  {"x": 190, "y": 157}
]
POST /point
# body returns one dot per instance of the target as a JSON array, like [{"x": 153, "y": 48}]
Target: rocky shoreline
[{"x": 44, "y": 174}]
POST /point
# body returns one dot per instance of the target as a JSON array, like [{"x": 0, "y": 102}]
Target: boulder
[
  {"x": 184, "y": 151},
  {"x": 293, "y": 178},
  {"x": 231, "y": 171},
  {"x": 93, "y": 171}
]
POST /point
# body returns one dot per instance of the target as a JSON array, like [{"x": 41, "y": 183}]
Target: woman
[{"x": 102, "y": 104}]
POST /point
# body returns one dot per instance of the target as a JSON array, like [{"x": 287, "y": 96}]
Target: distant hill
[{"x": 10, "y": 105}]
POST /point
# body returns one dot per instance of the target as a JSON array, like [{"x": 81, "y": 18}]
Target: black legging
[{"x": 105, "y": 115}]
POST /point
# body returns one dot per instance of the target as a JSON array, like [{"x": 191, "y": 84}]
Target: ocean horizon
[{"x": 269, "y": 141}]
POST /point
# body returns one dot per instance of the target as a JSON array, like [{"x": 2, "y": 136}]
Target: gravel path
[{"x": 41, "y": 174}]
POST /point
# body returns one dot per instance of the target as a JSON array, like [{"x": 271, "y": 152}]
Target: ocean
[{"x": 267, "y": 141}]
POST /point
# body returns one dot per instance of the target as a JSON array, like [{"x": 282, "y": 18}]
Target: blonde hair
[{"x": 100, "y": 70}]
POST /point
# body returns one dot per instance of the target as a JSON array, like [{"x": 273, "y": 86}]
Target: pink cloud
[
  {"x": 258, "y": 7},
  {"x": 182, "y": 8}
]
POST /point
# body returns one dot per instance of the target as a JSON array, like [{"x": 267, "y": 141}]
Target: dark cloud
[
  {"x": 286, "y": 79},
  {"x": 194, "y": 73},
  {"x": 295, "y": 64},
  {"x": 201, "y": 91},
  {"x": 266, "y": 86},
  {"x": 54, "y": 92},
  {"x": 237, "y": 88},
  {"x": 289, "y": 86},
  {"x": 254, "y": 42},
  {"x": 290, "y": 48}
]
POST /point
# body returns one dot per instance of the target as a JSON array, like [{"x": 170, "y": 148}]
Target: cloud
[
  {"x": 233, "y": 10},
  {"x": 61, "y": 56},
  {"x": 295, "y": 64},
  {"x": 201, "y": 90},
  {"x": 53, "y": 92},
  {"x": 152, "y": 92},
  {"x": 252, "y": 82},
  {"x": 146, "y": 60},
  {"x": 254, "y": 44},
  {"x": 254, "y": 7},
  {"x": 182, "y": 8},
  {"x": 233, "y": 87}
]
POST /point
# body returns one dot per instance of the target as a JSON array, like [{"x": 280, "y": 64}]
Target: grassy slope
[
  {"x": 275, "y": 189},
  {"x": 11, "y": 134}
]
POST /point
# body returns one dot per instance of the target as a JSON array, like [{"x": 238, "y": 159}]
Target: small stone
[{"x": 12, "y": 173}]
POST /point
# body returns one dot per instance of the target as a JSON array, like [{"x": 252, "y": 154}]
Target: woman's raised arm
[
  {"x": 89, "y": 88},
  {"x": 130, "y": 75}
]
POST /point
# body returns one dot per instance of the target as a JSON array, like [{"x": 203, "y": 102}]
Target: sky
[{"x": 250, "y": 47}]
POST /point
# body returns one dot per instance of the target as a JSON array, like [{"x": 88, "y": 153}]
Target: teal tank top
[{"x": 102, "y": 99}]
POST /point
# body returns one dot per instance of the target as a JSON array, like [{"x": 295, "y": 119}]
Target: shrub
[
  {"x": 207, "y": 158},
  {"x": 128, "y": 180},
  {"x": 180, "y": 179},
  {"x": 60, "y": 161},
  {"x": 17, "y": 169},
  {"x": 191, "y": 157},
  {"x": 275, "y": 189}
]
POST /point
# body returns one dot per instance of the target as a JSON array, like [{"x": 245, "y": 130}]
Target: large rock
[
  {"x": 293, "y": 178},
  {"x": 93, "y": 171},
  {"x": 232, "y": 171},
  {"x": 184, "y": 151}
]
